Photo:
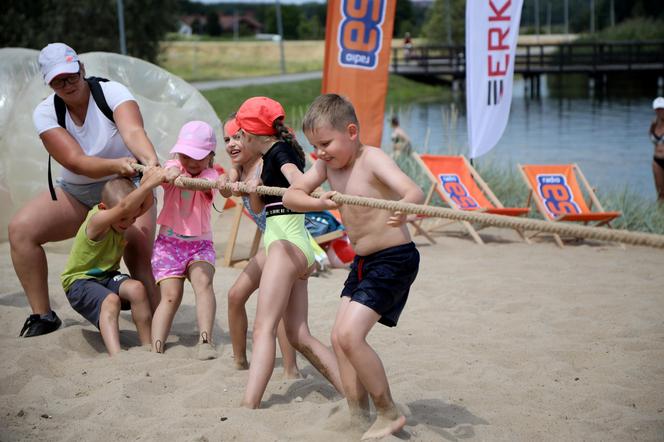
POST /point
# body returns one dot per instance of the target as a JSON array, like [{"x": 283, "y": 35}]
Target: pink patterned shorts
[{"x": 172, "y": 256}]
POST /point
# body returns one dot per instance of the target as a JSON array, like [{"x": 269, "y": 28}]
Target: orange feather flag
[{"x": 358, "y": 41}]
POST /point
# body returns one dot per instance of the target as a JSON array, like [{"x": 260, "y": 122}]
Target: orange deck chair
[
  {"x": 558, "y": 197},
  {"x": 458, "y": 184}
]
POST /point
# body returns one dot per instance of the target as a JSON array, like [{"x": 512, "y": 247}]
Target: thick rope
[{"x": 510, "y": 222}]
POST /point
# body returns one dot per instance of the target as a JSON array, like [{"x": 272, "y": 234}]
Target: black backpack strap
[
  {"x": 98, "y": 96},
  {"x": 60, "y": 111},
  {"x": 51, "y": 188}
]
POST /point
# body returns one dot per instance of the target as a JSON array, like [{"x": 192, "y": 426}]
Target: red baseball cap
[
  {"x": 231, "y": 127},
  {"x": 257, "y": 115}
]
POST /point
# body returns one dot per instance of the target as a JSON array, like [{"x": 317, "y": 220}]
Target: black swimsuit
[
  {"x": 279, "y": 154},
  {"x": 657, "y": 139}
]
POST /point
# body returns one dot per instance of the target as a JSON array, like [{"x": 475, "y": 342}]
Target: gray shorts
[
  {"x": 87, "y": 295},
  {"x": 88, "y": 194}
]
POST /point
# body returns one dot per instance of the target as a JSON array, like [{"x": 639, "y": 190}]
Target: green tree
[
  {"x": 403, "y": 18},
  {"x": 291, "y": 17},
  {"x": 314, "y": 16},
  {"x": 443, "y": 15},
  {"x": 146, "y": 24},
  {"x": 197, "y": 27},
  {"x": 212, "y": 26},
  {"x": 87, "y": 25},
  {"x": 311, "y": 29}
]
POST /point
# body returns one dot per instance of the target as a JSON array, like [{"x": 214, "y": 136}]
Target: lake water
[{"x": 607, "y": 138}]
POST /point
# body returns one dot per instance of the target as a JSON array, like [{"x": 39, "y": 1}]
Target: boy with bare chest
[{"x": 386, "y": 263}]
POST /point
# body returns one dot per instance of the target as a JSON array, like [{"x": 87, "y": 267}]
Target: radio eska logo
[
  {"x": 556, "y": 194},
  {"x": 498, "y": 49},
  {"x": 458, "y": 193},
  {"x": 360, "y": 35}
]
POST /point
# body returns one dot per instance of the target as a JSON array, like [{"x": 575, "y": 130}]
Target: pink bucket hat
[
  {"x": 56, "y": 59},
  {"x": 196, "y": 140}
]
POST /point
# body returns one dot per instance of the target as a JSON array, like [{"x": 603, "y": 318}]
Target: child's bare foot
[
  {"x": 240, "y": 364},
  {"x": 292, "y": 373},
  {"x": 205, "y": 350},
  {"x": 359, "y": 417},
  {"x": 244, "y": 404},
  {"x": 387, "y": 422}
]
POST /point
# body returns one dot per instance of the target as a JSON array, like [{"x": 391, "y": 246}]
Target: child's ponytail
[{"x": 284, "y": 133}]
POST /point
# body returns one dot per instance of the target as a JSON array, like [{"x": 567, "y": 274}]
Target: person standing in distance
[{"x": 657, "y": 138}]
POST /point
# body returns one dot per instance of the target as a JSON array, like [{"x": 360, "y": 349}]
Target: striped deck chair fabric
[{"x": 458, "y": 184}]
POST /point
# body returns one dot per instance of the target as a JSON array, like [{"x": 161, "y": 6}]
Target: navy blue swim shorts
[
  {"x": 87, "y": 295},
  {"x": 382, "y": 280}
]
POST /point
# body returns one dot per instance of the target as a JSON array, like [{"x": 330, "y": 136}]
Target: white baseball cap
[
  {"x": 56, "y": 59},
  {"x": 658, "y": 103}
]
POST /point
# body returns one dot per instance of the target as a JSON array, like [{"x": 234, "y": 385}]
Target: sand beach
[{"x": 501, "y": 342}]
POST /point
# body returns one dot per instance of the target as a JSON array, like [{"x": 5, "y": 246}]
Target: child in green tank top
[{"x": 91, "y": 279}]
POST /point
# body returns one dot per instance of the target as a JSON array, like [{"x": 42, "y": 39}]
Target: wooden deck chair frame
[
  {"x": 594, "y": 201},
  {"x": 484, "y": 187},
  {"x": 230, "y": 261}
]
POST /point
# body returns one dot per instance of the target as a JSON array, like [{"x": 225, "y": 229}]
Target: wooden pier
[{"x": 595, "y": 59}]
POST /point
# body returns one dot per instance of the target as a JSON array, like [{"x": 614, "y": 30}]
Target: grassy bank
[
  {"x": 296, "y": 97},
  {"x": 218, "y": 60},
  {"x": 634, "y": 29}
]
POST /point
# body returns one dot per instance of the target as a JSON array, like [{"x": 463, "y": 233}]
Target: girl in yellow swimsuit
[
  {"x": 290, "y": 257},
  {"x": 249, "y": 165}
]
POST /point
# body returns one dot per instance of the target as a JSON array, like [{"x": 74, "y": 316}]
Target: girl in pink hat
[
  {"x": 289, "y": 255},
  {"x": 184, "y": 248}
]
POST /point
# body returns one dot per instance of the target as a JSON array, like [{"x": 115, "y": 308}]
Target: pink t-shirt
[{"x": 187, "y": 212}]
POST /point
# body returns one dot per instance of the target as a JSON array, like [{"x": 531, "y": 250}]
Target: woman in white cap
[
  {"x": 657, "y": 138},
  {"x": 94, "y": 129}
]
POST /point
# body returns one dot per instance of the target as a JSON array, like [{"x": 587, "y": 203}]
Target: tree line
[
  {"x": 446, "y": 18},
  {"x": 300, "y": 22},
  {"x": 87, "y": 25},
  {"x": 92, "y": 25}
]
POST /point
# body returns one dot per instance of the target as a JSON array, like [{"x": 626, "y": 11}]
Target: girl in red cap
[
  {"x": 184, "y": 247},
  {"x": 246, "y": 165},
  {"x": 290, "y": 257}
]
